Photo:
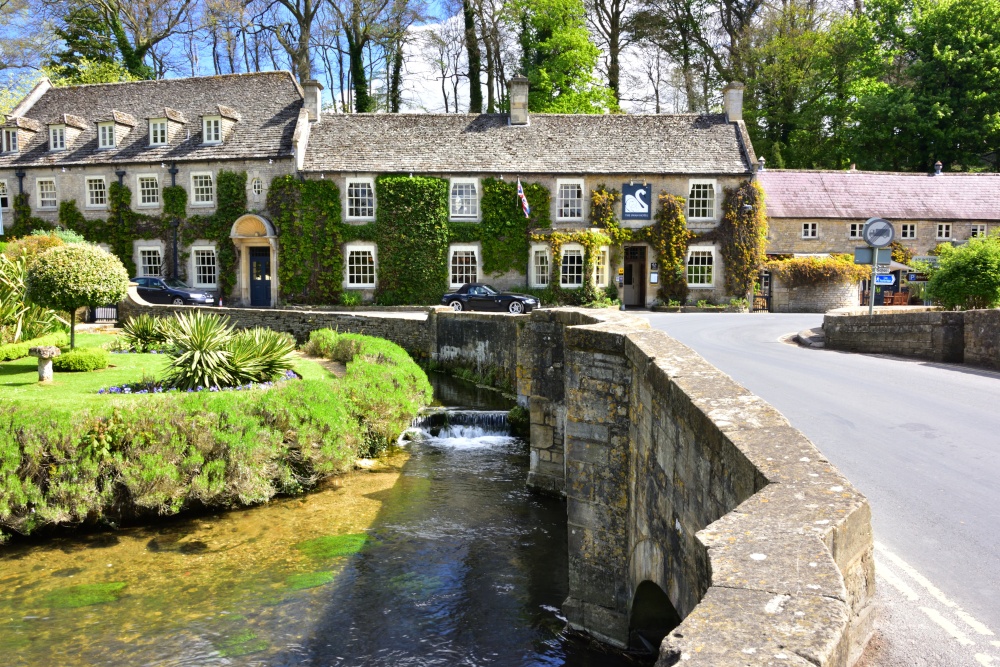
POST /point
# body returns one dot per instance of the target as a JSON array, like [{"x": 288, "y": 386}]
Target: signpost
[
  {"x": 885, "y": 279},
  {"x": 878, "y": 233}
]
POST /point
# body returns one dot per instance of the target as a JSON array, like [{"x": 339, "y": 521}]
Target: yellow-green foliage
[
  {"x": 803, "y": 271},
  {"x": 669, "y": 237},
  {"x": 743, "y": 236},
  {"x": 81, "y": 360}
]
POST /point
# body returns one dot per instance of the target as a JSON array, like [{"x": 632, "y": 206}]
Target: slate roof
[
  {"x": 267, "y": 104},
  {"x": 859, "y": 195},
  {"x": 551, "y": 143}
]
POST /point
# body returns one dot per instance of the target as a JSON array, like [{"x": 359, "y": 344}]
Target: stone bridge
[{"x": 696, "y": 513}]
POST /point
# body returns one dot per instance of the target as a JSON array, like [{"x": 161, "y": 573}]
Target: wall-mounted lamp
[
  {"x": 411, "y": 174},
  {"x": 163, "y": 165},
  {"x": 270, "y": 161},
  {"x": 64, "y": 170}
]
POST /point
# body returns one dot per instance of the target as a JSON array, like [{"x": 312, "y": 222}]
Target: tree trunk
[
  {"x": 72, "y": 328},
  {"x": 475, "y": 59},
  {"x": 356, "y": 53},
  {"x": 395, "y": 81}
]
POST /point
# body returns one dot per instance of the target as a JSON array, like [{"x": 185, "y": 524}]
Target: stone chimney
[
  {"x": 313, "y": 90},
  {"x": 518, "y": 89},
  {"x": 732, "y": 101},
  {"x": 937, "y": 168}
]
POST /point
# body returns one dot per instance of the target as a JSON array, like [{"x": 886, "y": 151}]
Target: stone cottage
[{"x": 71, "y": 144}]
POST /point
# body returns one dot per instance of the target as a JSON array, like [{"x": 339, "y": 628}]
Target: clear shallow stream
[{"x": 439, "y": 557}]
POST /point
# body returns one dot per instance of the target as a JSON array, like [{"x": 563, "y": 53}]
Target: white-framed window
[
  {"x": 97, "y": 192},
  {"x": 57, "y": 138},
  {"x": 569, "y": 199},
  {"x": 202, "y": 189},
  {"x": 810, "y": 230},
  {"x": 701, "y": 266},
  {"x": 149, "y": 262},
  {"x": 701, "y": 200},
  {"x": 4, "y": 197},
  {"x": 464, "y": 199},
  {"x": 908, "y": 230},
  {"x": 211, "y": 130},
  {"x": 463, "y": 262},
  {"x": 9, "y": 141},
  {"x": 541, "y": 265},
  {"x": 855, "y": 230},
  {"x": 46, "y": 189},
  {"x": 206, "y": 272},
  {"x": 257, "y": 186},
  {"x": 158, "y": 132},
  {"x": 105, "y": 135},
  {"x": 359, "y": 266},
  {"x": 149, "y": 189},
  {"x": 944, "y": 231},
  {"x": 360, "y": 199},
  {"x": 601, "y": 267},
  {"x": 978, "y": 231},
  {"x": 571, "y": 270}
]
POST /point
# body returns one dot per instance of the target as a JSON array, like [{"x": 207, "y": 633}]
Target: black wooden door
[{"x": 260, "y": 277}]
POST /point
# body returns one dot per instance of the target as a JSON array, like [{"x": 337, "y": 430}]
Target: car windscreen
[
  {"x": 488, "y": 291},
  {"x": 175, "y": 283}
]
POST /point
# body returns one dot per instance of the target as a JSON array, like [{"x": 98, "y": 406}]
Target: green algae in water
[
  {"x": 243, "y": 643},
  {"x": 413, "y": 584},
  {"x": 333, "y": 546},
  {"x": 85, "y": 595},
  {"x": 298, "y": 582}
]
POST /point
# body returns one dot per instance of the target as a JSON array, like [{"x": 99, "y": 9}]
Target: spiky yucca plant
[
  {"x": 145, "y": 333},
  {"x": 199, "y": 354},
  {"x": 260, "y": 355}
]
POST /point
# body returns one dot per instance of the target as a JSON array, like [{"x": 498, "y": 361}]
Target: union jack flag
[{"x": 524, "y": 200}]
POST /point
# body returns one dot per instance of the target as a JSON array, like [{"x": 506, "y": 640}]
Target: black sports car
[
  {"x": 171, "y": 290},
  {"x": 477, "y": 296}
]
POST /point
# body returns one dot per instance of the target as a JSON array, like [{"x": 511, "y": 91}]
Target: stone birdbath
[{"x": 45, "y": 354}]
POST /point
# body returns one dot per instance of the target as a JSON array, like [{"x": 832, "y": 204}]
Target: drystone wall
[
  {"x": 982, "y": 338},
  {"x": 812, "y": 298},
  {"x": 934, "y": 335}
]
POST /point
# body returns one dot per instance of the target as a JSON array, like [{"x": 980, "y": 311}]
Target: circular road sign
[{"x": 878, "y": 232}]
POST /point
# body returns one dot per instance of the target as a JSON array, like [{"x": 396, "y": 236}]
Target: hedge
[
  {"x": 12, "y": 351},
  {"x": 81, "y": 360}
]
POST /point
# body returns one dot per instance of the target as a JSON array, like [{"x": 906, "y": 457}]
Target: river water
[{"x": 439, "y": 556}]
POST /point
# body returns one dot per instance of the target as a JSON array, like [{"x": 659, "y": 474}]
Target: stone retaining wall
[
  {"x": 479, "y": 341},
  {"x": 934, "y": 335},
  {"x": 812, "y": 298},
  {"x": 982, "y": 338}
]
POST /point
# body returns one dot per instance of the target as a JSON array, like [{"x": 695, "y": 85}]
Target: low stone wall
[
  {"x": 812, "y": 298},
  {"x": 479, "y": 341},
  {"x": 932, "y": 335},
  {"x": 982, "y": 338}
]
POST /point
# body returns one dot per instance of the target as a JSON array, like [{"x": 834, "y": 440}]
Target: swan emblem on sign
[{"x": 634, "y": 203}]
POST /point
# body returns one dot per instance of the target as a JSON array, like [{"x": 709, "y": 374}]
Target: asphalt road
[{"x": 922, "y": 441}]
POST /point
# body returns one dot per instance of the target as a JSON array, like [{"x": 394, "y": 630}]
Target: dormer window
[
  {"x": 212, "y": 130},
  {"x": 106, "y": 135},
  {"x": 158, "y": 132},
  {"x": 57, "y": 138},
  {"x": 9, "y": 141}
]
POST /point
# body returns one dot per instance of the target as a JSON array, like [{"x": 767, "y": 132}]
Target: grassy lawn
[{"x": 71, "y": 392}]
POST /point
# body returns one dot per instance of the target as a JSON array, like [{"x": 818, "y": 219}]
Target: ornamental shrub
[
  {"x": 967, "y": 276},
  {"x": 811, "y": 271},
  {"x": 12, "y": 351},
  {"x": 81, "y": 360},
  {"x": 199, "y": 355},
  {"x": 32, "y": 246},
  {"x": 743, "y": 236},
  {"x": 145, "y": 333},
  {"x": 260, "y": 355},
  {"x": 73, "y": 276},
  {"x": 20, "y": 319}
]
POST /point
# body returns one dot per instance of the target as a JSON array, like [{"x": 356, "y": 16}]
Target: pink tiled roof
[{"x": 859, "y": 195}]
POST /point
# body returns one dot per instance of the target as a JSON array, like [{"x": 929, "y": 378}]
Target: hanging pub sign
[{"x": 636, "y": 201}]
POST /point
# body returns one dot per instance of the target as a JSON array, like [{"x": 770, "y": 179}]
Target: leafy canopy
[{"x": 968, "y": 275}]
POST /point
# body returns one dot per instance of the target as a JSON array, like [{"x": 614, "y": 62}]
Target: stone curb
[{"x": 815, "y": 337}]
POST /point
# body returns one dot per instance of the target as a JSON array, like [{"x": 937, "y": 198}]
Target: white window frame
[
  {"x": 601, "y": 272},
  {"x": 714, "y": 213},
  {"x": 944, "y": 231},
  {"x": 57, "y": 137},
  {"x": 88, "y": 193},
  {"x": 574, "y": 248},
  {"x": 156, "y": 126},
  {"x": 4, "y": 195},
  {"x": 138, "y": 191},
  {"x": 533, "y": 269},
  {"x": 854, "y": 230},
  {"x": 978, "y": 231},
  {"x": 194, "y": 191},
  {"x": 211, "y": 130},
  {"x": 559, "y": 199},
  {"x": 257, "y": 186},
  {"x": 473, "y": 217},
  {"x": 10, "y": 143},
  {"x": 360, "y": 248},
  {"x": 347, "y": 198},
  {"x": 687, "y": 263},
  {"x": 106, "y": 133},
  {"x": 142, "y": 265},
  {"x": 38, "y": 192},
  {"x": 810, "y": 230},
  {"x": 195, "y": 250},
  {"x": 452, "y": 249},
  {"x": 908, "y": 230}
]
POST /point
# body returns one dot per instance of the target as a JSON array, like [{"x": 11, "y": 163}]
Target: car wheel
[
  {"x": 516, "y": 307},
  {"x": 455, "y": 305},
  {"x": 178, "y": 301}
]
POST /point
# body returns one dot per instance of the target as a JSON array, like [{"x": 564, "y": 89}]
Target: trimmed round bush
[{"x": 81, "y": 360}]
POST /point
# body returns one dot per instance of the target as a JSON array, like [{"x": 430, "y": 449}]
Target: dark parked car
[
  {"x": 172, "y": 290},
  {"x": 477, "y": 296}
]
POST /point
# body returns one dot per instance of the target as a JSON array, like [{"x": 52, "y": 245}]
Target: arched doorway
[
  {"x": 652, "y": 617},
  {"x": 257, "y": 261}
]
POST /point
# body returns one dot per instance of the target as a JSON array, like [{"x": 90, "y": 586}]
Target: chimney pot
[
  {"x": 518, "y": 89},
  {"x": 937, "y": 168},
  {"x": 313, "y": 90},
  {"x": 854, "y": 167},
  {"x": 732, "y": 101},
  {"x": 760, "y": 163}
]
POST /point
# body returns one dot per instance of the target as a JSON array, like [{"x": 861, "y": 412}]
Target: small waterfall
[{"x": 457, "y": 423}]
